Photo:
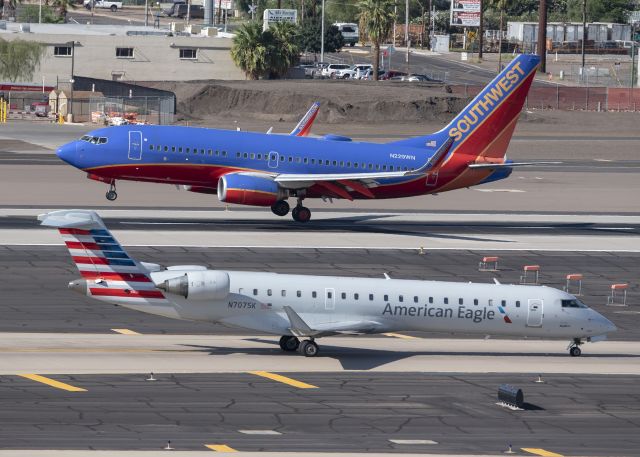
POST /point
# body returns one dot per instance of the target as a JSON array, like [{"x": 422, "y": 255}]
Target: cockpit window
[
  {"x": 573, "y": 304},
  {"x": 94, "y": 139},
  {"x": 103, "y": 140},
  {"x": 85, "y": 138}
]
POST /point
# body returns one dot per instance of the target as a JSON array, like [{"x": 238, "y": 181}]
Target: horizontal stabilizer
[
  {"x": 477, "y": 166},
  {"x": 72, "y": 218},
  {"x": 436, "y": 159}
]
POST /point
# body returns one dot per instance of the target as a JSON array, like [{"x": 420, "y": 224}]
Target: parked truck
[{"x": 103, "y": 4}]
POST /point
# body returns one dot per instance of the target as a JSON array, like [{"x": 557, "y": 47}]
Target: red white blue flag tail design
[
  {"x": 304, "y": 126},
  {"x": 108, "y": 272}
]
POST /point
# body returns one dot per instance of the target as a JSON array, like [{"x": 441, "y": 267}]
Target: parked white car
[
  {"x": 356, "y": 71},
  {"x": 330, "y": 69},
  {"x": 104, "y": 4}
]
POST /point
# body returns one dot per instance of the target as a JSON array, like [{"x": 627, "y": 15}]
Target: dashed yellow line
[
  {"x": 542, "y": 452},
  {"x": 283, "y": 379},
  {"x": 220, "y": 448},
  {"x": 124, "y": 331},
  {"x": 53, "y": 383},
  {"x": 400, "y": 335}
]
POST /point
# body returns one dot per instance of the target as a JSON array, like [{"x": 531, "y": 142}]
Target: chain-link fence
[{"x": 150, "y": 110}]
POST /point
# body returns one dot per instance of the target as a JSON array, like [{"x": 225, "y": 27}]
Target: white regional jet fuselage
[{"x": 315, "y": 306}]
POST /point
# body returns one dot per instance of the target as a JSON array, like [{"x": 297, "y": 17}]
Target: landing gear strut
[
  {"x": 112, "y": 194},
  {"x": 289, "y": 343},
  {"x": 280, "y": 208},
  {"x": 301, "y": 213},
  {"x": 574, "y": 348},
  {"x": 308, "y": 348}
]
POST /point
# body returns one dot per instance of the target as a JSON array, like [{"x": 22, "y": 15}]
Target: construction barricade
[
  {"x": 489, "y": 263},
  {"x": 618, "y": 295},
  {"x": 574, "y": 284},
  {"x": 530, "y": 274}
]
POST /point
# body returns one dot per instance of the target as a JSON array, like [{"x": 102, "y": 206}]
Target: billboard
[
  {"x": 278, "y": 15},
  {"x": 465, "y": 13}
]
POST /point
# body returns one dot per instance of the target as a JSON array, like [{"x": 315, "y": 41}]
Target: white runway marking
[
  {"x": 501, "y": 190},
  {"x": 260, "y": 432},
  {"x": 413, "y": 442}
]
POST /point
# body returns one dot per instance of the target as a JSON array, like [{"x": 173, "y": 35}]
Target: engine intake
[
  {"x": 198, "y": 285},
  {"x": 246, "y": 189}
]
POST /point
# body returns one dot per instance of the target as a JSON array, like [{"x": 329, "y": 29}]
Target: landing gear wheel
[
  {"x": 575, "y": 351},
  {"x": 301, "y": 214},
  {"x": 308, "y": 348},
  {"x": 111, "y": 195},
  {"x": 289, "y": 343},
  {"x": 280, "y": 208}
]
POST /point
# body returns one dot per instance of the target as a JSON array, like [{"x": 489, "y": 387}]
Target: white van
[{"x": 350, "y": 32}]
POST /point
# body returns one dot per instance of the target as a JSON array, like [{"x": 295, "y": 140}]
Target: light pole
[
  {"x": 72, "y": 80},
  {"x": 584, "y": 35},
  {"x": 406, "y": 33},
  {"x": 322, "y": 35},
  {"x": 40, "y": 12}
]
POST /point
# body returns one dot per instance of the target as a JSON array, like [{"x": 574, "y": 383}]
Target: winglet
[
  {"x": 304, "y": 126},
  {"x": 436, "y": 159},
  {"x": 298, "y": 326}
]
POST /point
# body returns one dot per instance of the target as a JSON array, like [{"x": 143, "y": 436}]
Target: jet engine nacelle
[
  {"x": 247, "y": 189},
  {"x": 198, "y": 285}
]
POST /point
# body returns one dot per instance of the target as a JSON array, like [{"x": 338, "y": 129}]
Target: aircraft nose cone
[
  {"x": 67, "y": 153},
  {"x": 608, "y": 326},
  {"x": 79, "y": 286}
]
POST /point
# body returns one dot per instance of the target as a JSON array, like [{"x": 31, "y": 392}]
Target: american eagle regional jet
[
  {"x": 259, "y": 169},
  {"x": 310, "y": 307}
]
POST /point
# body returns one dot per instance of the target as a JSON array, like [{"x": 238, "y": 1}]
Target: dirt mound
[{"x": 341, "y": 101}]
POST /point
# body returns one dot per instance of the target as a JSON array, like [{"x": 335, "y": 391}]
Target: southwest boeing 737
[
  {"x": 310, "y": 307},
  {"x": 260, "y": 169}
]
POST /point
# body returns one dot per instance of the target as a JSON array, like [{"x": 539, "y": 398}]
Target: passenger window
[
  {"x": 430, "y": 299},
  {"x": 237, "y": 155},
  {"x": 415, "y": 299},
  {"x": 255, "y": 291},
  {"x": 298, "y": 293},
  {"x": 187, "y": 150},
  {"x": 460, "y": 301},
  {"x": 490, "y": 302},
  {"x": 348, "y": 164},
  {"x": 378, "y": 167},
  {"x": 245, "y": 155},
  {"x": 329, "y": 294},
  {"x": 370, "y": 297},
  {"x": 313, "y": 161},
  {"x": 356, "y": 296},
  {"x": 475, "y": 301},
  {"x": 305, "y": 160},
  {"x": 390, "y": 167},
  {"x": 283, "y": 293},
  {"x": 370, "y": 166},
  {"x": 166, "y": 148},
  {"x": 342, "y": 163},
  {"x": 224, "y": 153},
  {"x": 150, "y": 147},
  {"x": 446, "y": 301},
  {"x": 400, "y": 298},
  {"x": 210, "y": 152},
  {"x": 386, "y": 298},
  {"x": 314, "y": 294},
  {"x": 355, "y": 165},
  {"x": 518, "y": 304},
  {"x": 384, "y": 168},
  {"x": 269, "y": 292},
  {"x": 290, "y": 159},
  {"x": 259, "y": 156},
  {"x": 344, "y": 295},
  {"x": 202, "y": 151},
  {"x": 335, "y": 162},
  {"x": 504, "y": 302},
  {"x": 179, "y": 149},
  {"x": 297, "y": 159},
  {"x": 173, "y": 149},
  {"x": 326, "y": 162}
]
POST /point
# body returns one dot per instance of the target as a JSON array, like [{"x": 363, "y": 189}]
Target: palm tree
[
  {"x": 376, "y": 18},
  {"x": 284, "y": 50},
  {"x": 500, "y": 5},
  {"x": 62, "y": 6},
  {"x": 248, "y": 50}
]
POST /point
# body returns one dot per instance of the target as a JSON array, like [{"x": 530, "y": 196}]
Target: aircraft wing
[
  {"x": 301, "y": 329},
  {"x": 336, "y": 182},
  {"x": 477, "y": 166}
]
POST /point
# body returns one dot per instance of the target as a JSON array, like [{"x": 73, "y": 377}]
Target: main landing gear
[
  {"x": 280, "y": 208},
  {"x": 308, "y": 348},
  {"x": 112, "y": 194},
  {"x": 301, "y": 213},
  {"x": 574, "y": 348}
]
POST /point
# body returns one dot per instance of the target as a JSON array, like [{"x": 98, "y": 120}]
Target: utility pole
[
  {"x": 542, "y": 35},
  {"x": 322, "y": 35},
  {"x": 406, "y": 33},
  {"x": 481, "y": 31},
  {"x": 584, "y": 36}
]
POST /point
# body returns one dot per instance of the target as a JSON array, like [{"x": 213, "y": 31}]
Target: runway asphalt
[{"x": 357, "y": 412}]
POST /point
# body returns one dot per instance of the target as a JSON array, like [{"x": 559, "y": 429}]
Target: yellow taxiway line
[
  {"x": 124, "y": 331},
  {"x": 53, "y": 382},
  {"x": 283, "y": 379},
  {"x": 220, "y": 448},
  {"x": 541, "y": 452},
  {"x": 400, "y": 335}
]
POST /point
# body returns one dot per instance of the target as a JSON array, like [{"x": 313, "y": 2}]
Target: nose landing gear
[
  {"x": 112, "y": 194},
  {"x": 574, "y": 348}
]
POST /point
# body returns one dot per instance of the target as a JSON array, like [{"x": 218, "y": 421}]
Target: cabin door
[
  {"x": 135, "y": 145},
  {"x": 273, "y": 159},
  {"x": 329, "y": 299},
  {"x": 534, "y": 313}
]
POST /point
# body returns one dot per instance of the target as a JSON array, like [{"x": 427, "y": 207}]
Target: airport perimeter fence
[
  {"x": 558, "y": 97},
  {"x": 150, "y": 110}
]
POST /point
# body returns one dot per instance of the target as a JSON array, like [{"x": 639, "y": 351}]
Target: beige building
[{"x": 127, "y": 53}]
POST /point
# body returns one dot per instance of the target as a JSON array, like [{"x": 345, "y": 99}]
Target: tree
[
  {"x": 19, "y": 59},
  {"x": 601, "y": 10},
  {"x": 62, "y": 6},
  {"x": 500, "y": 5},
  {"x": 376, "y": 18},
  {"x": 265, "y": 54},
  {"x": 31, "y": 13},
  {"x": 308, "y": 37}
]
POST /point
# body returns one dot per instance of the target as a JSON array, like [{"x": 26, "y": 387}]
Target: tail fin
[
  {"x": 304, "y": 126},
  {"x": 109, "y": 272},
  {"x": 483, "y": 129}
]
